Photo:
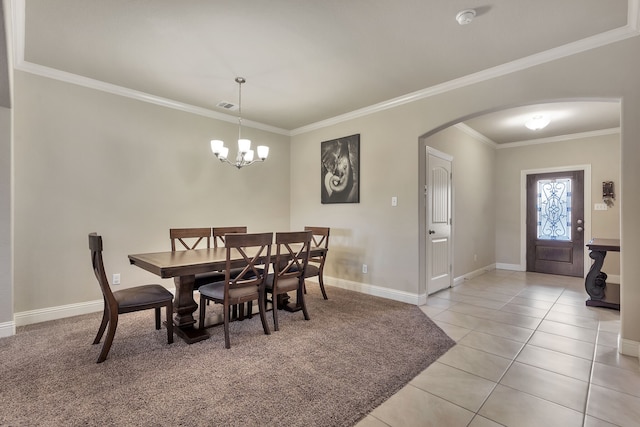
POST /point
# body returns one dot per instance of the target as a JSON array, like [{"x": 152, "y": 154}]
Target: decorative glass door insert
[{"x": 554, "y": 209}]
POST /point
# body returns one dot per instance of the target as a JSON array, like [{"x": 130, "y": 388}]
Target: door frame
[{"x": 523, "y": 209}]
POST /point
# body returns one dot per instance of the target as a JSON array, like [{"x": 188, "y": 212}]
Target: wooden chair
[
  {"x": 320, "y": 239},
  {"x": 219, "y": 232},
  {"x": 190, "y": 238},
  {"x": 126, "y": 300},
  {"x": 218, "y": 241},
  {"x": 195, "y": 238},
  {"x": 289, "y": 267},
  {"x": 248, "y": 285}
]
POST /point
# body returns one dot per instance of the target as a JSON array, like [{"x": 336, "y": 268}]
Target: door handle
[
  {"x": 432, "y": 232},
  {"x": 579, "y": 229}
]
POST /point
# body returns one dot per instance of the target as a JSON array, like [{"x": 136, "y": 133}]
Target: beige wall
[
  {"x": 474, "y": 206},
  {"x": 371, "y": 232},
  {"x": 6, "y": 291},
  {"x": 601, "y": 153},
  {"x": 389, "y": 238},
  {"x": 91, "y": 161}
]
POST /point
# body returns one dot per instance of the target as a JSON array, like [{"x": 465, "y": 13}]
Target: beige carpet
[{"x": 354, "y": 353}]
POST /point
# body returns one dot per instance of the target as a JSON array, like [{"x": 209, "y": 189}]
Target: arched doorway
[{"x": 487, "y": 221}]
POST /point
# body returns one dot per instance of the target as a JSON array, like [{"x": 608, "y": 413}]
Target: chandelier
[{"x": 245, "y": 153}]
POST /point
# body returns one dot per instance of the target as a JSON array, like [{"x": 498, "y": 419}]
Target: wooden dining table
[{"x": 182, "y": 266}]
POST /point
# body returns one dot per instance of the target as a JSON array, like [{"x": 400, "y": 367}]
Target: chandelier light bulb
[
  {"x": 216, "y": 146},
  {"x": 244, "y": 145},
  {"x": 263, "y": 152}
]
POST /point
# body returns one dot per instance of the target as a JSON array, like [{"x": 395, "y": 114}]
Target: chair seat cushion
[
  {"x": 214, "y": 276},
  {"x": 206, "y": 278},
  {"x": 142, "y": 295},
  {"x": 312, "y": 270},
  {"x": 284, "y": 285},
  {"x": 216, "y": 291}
]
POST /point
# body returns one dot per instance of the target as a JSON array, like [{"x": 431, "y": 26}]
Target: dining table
[{"x": 183, "y": 266}]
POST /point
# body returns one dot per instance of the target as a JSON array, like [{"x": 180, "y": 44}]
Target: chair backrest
[
  {"x": 292, "y": 254},
  {"x": 319, "y": 239},
  {"x": 255, "y": 250},
  {"x": 190, "y": 238},
  {"x": 95, "y": 245},
  {"x": 219, "y": 232}
]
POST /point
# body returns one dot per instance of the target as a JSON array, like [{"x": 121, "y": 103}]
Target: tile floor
[{"x": 529, "y": 353}]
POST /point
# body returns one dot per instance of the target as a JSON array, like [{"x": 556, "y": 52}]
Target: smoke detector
[{"x": 464, "y": 17}]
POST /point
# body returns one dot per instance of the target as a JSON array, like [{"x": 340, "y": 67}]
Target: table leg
[
  {"x": 184, "y": 306},
  {"x": 595, "y": 280},
  {"x": 596, "y": 284},
  {"x": 284, "y": 303}
]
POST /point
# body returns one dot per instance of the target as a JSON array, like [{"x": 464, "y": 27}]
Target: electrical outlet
[
  {"x": 364, "y": 268},
  {"x": 116, "y": 279}
]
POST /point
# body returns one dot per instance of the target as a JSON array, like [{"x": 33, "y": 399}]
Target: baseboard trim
[
  {"x": 471, "y": 275},
  {"x": 629, "y": 347},
  {"x": 53, "y": 313},
  {"x": 402, "y": 296},
  {"x": 511, "y": 267},
  {"x": 60, "y": 312},
  {"x": 7, "y": 329}
]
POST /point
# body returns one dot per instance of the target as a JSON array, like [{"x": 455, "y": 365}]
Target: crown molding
[
  {"x": 560, "y": 138},
  {"x": 602, "y": 39},
  {"x": 476, "y": 135},
  {"x": 569, "y": 49},
  {"x": 18, "y": 14},
  {"x": 64, "y": 76}
]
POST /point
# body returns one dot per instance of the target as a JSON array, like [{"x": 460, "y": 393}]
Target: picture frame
[{"x": 340, "y": 170}]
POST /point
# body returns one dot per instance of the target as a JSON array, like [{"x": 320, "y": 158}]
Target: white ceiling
[{"x": 306, "y": 61}]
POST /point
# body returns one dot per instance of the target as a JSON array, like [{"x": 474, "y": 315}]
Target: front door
[
  {"x": 438, "y": 205},
  {"x": 555, "y": 223}
]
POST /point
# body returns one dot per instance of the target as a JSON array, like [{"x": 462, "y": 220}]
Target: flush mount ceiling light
[
  {"x": 245, "y": 153},
  {"x": 537, "y": 122},
  {"x": 465, "y": 17}
]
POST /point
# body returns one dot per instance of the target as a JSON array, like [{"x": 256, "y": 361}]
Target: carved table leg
[
  {"x": 595, "y": 282},
  {"x": 184, "y": 306}
]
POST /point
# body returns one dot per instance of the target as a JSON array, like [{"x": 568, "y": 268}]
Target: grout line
[{"x": 593, "y": 361}]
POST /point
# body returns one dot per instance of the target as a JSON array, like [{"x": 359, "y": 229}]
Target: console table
[{"x": 601, "y": 293}]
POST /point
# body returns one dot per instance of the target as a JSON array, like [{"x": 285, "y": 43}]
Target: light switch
[
  {"x": 394, "y": 201},
  {"x": 600, "y": 207}
]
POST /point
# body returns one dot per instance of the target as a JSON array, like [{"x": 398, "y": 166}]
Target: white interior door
[{"x": 438, "y": 204}]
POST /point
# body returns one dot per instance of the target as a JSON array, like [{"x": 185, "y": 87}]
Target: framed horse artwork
[{"x": 340, "y": 170}]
